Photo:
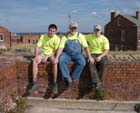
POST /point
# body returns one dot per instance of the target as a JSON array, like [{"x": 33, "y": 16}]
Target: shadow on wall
[{"x": 78, "y": 90}]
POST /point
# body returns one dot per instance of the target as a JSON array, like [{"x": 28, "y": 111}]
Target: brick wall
[
  {"x": 8, "y": 83},
  {"x": 6, "y": 34},
  {"x": 121, "y": 81}
]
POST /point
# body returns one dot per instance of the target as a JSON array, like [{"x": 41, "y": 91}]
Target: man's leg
[
  {"x": 96, "y": 82},
  {"x": 79, "y": 65},
  {"x": 55, "y": 68},
  {"x": 35, "y": 71},
  {"x": 101, "y": 67},
  {"x": 94, "y": 75},
  {"x": 63, "y": 62}
]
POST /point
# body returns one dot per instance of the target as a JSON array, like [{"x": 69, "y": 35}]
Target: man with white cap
[
  {"x": 70, "y": 49},
  {"x": 99, "y": 48}
]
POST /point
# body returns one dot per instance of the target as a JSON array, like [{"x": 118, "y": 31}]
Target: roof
[
  {"x": 132, "y": 19},
  {"x": 4, "y": 28}
]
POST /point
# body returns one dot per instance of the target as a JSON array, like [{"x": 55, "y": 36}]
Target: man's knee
[
  {"x": 82, "y": 62},
  {"x": 62, "y": 59},
  {"x": 34, "y": 61}
]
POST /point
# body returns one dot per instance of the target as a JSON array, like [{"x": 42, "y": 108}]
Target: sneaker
[
  {"x": 55, "y": 88},
  {"x": 34, "y": 87}
]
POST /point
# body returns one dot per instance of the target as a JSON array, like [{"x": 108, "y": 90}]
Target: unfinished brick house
[
  {"x": 123, "y": 31},
  {"x": 5, "y": 37},
  {"x": 29, "y": 38}
]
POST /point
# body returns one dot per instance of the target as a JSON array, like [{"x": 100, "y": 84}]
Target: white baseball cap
[
  {"x": 73, "y": 24},
  {"x": 97, "y": 27}
]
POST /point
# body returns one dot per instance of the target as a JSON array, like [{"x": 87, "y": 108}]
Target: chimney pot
[
  {"x": 113, "y": 15},
  {"x": 138, "y": 15}
]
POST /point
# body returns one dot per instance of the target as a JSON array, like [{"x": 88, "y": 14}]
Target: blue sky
[{"x": 36, "y": 15}]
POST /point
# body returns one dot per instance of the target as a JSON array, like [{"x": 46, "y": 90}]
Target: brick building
[
  {"x": 5, "y": 37},
  {"x": 29, "y": 38},
  {"x": 123, "y": 31}
]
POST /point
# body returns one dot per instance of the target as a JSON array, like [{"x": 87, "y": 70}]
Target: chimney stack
[
  {"x": 113, "y": 15},
  {"x": 138, "y": 15}
]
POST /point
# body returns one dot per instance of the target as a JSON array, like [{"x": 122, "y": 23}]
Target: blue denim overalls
[
  {"x": 72, "y": 52},
  {"x": 73, "y": 47}
]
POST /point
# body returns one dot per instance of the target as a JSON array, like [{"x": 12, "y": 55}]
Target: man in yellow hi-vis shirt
[
  {"x": 99, "y": 48},
  {"x": 48, "y": 43}
]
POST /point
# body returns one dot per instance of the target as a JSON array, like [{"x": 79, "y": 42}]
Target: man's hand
[
  {"x": 55, "y": 61},
  {"x": 91, "y": 60},
  {"x": 36, "y": 59},
  {"x": 98, "y": 59}
]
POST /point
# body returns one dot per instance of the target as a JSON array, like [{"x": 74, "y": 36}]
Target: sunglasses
[
  {"x": 73, "y": 28},
  {"x": 97, "y": 29}
]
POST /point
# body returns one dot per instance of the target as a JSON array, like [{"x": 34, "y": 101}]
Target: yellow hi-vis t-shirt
[
  {"x": 96, "y": 44},
  {"x": 48, "y": 44},
  {"x": 81, "y": 39}
]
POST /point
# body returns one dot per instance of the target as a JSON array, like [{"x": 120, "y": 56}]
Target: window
[
  {"x": 119, "y": 21},
  {"x": 123, "y": 35},
  {"x": 1, "y": 37},
  {"x": 138, "y": 35}
]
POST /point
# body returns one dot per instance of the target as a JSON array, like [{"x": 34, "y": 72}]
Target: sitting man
[
  {"x": 49, "y": 44},
  {"x": 99, "y": 48},
  {"x": 70, "y": 49}
]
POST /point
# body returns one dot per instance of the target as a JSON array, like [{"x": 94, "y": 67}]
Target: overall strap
[
  {"x": 66, "y": 36},
  {"x": 76, "y": 36}
]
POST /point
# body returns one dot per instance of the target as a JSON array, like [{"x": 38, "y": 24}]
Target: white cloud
[
  {"x": 125, "y": 11},
  {"x": 74, "y": 11},
  {"x": 112, "y": 10},
  {"x": 117, "y": 11},
  {"x": 93, "y": 13}
]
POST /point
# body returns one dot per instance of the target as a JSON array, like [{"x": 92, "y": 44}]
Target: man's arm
[
  {"x": 36, "y": 51},
  {"x": 58, "y": 53},
  {"x": 90, "y": 59},
  {"x": 102, "y": 55}
]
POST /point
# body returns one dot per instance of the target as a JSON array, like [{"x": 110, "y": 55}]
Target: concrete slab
[
  {"x": 124, "y": 107},
  {"x": 137, "y": 57},
  {"x": 110, "y": 57},
  {"x": 55, "y": 110},
  {"x": 74, "y": 104},
  {"x": 39, "y": 105},
  {"x": 123, "y": 57}
]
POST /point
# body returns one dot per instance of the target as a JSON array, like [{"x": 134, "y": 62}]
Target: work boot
[
  {"x": 94, "y": 85},
  {"x": 99, "y": 85},
  {"x": 34, "y": 87}
]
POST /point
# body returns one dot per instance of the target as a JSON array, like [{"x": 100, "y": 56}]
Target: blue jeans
[{"x": 79, "y": 61}]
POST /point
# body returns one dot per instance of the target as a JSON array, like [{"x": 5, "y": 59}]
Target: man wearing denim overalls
[{"x": 70, "y": 49}]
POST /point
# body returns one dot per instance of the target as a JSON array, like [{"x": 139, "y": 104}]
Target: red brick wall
[
  {"x": 8, "y": 83},
  {"x": 30, "y": 38},
  {"x": 7, "y": 35},
  {"x": 121, "y": 81}
]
